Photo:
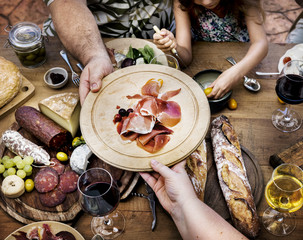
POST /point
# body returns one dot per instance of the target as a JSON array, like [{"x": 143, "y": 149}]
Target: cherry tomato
[
  {"x": 232, "y": 104},
  {"x": 286, "y": 60}
]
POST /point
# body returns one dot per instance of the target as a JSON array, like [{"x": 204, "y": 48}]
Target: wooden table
[{"x": 252, "y": 121}]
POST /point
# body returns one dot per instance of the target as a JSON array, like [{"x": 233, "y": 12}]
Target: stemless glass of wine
[
  {"x": 289, "y": 88},
  {"x": 167, "y": 60},
  {"x": 99, "y": 195},
  {"x": 284, "y": 194}
]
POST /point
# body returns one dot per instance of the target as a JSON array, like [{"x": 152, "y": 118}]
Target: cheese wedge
[{"x": 64, "y": 109}]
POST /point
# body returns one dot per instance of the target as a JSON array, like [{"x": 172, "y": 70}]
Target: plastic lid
[{"x": 24, "y": 35}]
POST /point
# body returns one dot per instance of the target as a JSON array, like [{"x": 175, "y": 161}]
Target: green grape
[
  {"x": 2, "y": 168},
  {"x": 5, "y": 158},
  {"x": 11, "y": 171},
  {"x": 20, "y": 165},
  {"x": 8, "y": 163},
  {"x": 27, "y": 168},
  {"x": 5, "y": 174},
  {"x": 17, "y": 159},
  {"x": 28, "y": 160},
  {"x": 21, "y": 173},
  {"x": 29, "y": 173},
  {"x": 0, "y": 160}
]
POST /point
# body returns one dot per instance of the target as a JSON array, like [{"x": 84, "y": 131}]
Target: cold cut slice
[
  {"x": 42, "y": 127},
  {"x": 57, "y": 165},
  {"x": 68, "y": 181},
  {"x": 46, "y": 180},
  {"x": 52, "y": 198}
]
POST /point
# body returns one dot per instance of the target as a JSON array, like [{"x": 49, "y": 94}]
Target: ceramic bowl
[
  {"x": 57, "y": 70},
  {"x": 204, "y": 79}
]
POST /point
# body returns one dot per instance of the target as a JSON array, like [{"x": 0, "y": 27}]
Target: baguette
[
  {"x": 196, "y": 168},
  {"x": 233, "y": 178}
]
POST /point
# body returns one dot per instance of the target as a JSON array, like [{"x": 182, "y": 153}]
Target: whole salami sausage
[
  {"x": 43, "y": 128},
  {"x": 46, "y": 180}
]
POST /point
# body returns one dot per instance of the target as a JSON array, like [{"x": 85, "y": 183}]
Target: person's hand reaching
[{"x": 165, "y": 40}]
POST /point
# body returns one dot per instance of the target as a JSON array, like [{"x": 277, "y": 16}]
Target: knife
[{"x": 152, "y": 204}]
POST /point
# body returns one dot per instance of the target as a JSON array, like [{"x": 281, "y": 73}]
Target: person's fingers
[
  {"x": 148, "y": 178},
  {"x": 84, "y": 87},
  {"x": 179, "y": 167},
  {"x": 160, "y": 168}
]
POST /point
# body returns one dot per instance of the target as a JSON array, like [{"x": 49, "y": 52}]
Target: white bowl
[{"x": 58, "y": 70}]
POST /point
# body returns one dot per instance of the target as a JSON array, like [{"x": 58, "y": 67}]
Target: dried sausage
[
  {"x": 52, "y": 198},
  {"x": 57, "y": 165},
  {"x": 42, "y": 127},
  {"x": 68, "y": 181},
  {"x": 46, "y": 180}
]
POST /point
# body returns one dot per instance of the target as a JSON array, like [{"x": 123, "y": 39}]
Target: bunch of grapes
[{"x": 17, "y": 165}]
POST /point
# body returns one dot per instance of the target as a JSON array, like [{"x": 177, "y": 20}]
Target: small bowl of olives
[{"x": 56, "y": 77}]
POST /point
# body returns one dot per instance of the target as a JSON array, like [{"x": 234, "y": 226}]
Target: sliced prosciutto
[
  {"x": 156, "y": 144},
  {"x": 169, "y": 113},
  {"x": 158, "y": 129}
]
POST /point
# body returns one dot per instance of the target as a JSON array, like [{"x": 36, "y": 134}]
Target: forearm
[
  {"x": 77, "y": 29},
  {"x": 195, "y": 220}
]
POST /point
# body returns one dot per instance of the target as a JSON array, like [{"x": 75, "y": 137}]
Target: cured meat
[
  {"x": 169, "y": 113},
  {"x": 135, "y": 122},
  {"x": 152, "y": 87},
  {"x": 43, "y": 128},
  {"x": 52, "y": 198},
  {"x": 57, "y": 165},
  {"x": 158, "y": 129},
  {"x": 66, "y": 235},
  {"x": 169, "y": 94},
  {"x": 46, "y": 180},
  {"x": 68, "y": 181},
  {"x": 21, "y": 146},
  {"x": 147, "y": 106},
  {"x": 154, "y": 145}
]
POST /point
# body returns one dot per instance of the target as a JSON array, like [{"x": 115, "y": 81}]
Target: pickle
[{"x": 31, "y": 57}]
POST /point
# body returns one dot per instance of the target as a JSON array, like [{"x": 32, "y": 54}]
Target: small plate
[
  {"x": 54, "y": 226},
  {"x": 57, "y": 70}
]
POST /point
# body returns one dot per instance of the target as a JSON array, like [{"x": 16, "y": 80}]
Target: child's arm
[
  {"x": 166, "y": 41},
  {"x": 256, "y": 52}
]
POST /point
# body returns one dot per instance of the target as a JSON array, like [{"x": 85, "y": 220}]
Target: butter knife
[{"x": 152, "y": 204}]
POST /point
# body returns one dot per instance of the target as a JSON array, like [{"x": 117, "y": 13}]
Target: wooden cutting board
[
  {"x": 213, "y": 195},
  {"x": 28, "y": 208},
  {"x": 99, "y": 109},
  {"x": 292, "y": 154},
  {"x": 26, "y": 91}
]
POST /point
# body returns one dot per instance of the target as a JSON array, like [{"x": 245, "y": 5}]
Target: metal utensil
[
  {"x": 267, "y": 73},
  {"x": 75, "y": 76},
  {"x": 152, "y": 204},
  {"x": 250, "y": 83},
  {"x": 80, "y": 66}
]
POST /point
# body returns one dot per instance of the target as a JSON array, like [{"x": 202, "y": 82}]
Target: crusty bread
[
  {"x": 10, "y": 81},
  {"x": 233, "y": 178},
  {"x": 196, "y": 167}
]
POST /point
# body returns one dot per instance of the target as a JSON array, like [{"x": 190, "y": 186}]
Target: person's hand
[
  {"x": 165, "y": 40},
  {"x": 95, "y": 70},
  {"x": 172, "y": 186},
  {"x": 223, "y": 84}
]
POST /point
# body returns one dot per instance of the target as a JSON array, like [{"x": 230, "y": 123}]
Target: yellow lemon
[
  {"x": 208, "y": 90},
  {"x": 61, "y": 156},
  {"x": 29, "y": 185},
  {"x": 232, "y": 104}
]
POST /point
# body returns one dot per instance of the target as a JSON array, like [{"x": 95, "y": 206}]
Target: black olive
[
  {"x": 129, "y": 111},
  {"x": 128, "y": 62},
  {"x": 122, "y": 112}
]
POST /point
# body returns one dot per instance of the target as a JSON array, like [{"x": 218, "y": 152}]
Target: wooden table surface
[{"x": 252, "y": 121}]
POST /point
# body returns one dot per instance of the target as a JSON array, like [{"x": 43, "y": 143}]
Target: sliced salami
[
  {"x": 68, "y": 181},
  {"x": 52, "y": 198},
  {"x": 57, "y": 165},
  {"x": 46, "y": 180}
]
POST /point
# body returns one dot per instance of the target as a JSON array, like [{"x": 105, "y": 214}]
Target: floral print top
[{"x": 212, "y": 28}]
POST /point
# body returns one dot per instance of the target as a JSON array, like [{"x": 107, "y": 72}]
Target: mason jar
[{"x": 28, "y": 43}]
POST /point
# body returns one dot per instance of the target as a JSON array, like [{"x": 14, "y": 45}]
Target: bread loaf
[
  {"x": 196, "y": 168},
  {"x": 232, "y": 177}
]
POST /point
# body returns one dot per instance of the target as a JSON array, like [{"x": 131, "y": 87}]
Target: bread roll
[
  {"x": 10, "y": 81},
  {"x": 196, "y": 167},
  {"x": 232, "y": 177}
]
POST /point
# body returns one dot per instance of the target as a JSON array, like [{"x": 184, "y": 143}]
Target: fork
[{"x": 75, "y": 76}]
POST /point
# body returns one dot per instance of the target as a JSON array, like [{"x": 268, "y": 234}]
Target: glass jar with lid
[{"x": 28, "y": 43}]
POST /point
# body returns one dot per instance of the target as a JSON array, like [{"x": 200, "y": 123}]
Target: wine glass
[
  {"x": 289, "y": 88},
  {"x": 284, "y": 194},
  {"x": 99, "y": 195},
  {"x": 167, "y": 60}
]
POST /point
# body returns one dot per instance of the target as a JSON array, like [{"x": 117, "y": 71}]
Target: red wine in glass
[{"x": 289, "y": 88}]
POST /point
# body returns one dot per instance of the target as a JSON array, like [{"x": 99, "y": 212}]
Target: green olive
[
  {"x": 42, "y": 51},
  {"x": 31, "y": 57}
]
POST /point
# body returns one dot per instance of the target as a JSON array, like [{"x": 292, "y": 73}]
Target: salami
[
  {"x": 52, "y": 198},
  {"x": 42, "y": 127},
  {"x": 46, "y": 180},
  {"x": 21, "y": 146},
  {"x": 68, "y": 181},
  {"x": 57, "y": 165}
]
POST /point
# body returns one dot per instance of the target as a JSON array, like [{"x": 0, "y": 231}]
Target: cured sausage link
[{"x": 43, "y": 128}]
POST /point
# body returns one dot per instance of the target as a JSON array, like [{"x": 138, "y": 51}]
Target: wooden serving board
[
  {"x": 99, "y": 109},
  {"x": 292, "y": 154},
  {"x": 27, "y": 208},
  {"x": 213, "y": 195},
  {"x": 26, "y": 91}
]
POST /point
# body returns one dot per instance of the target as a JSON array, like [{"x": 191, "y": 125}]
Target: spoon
[{"x": 250, "y": 83}]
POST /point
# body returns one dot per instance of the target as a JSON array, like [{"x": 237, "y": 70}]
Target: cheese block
[
  {"x": 64, "y": 109},
  {"x": 79, "y": 158},
  {"x": 10, "y": 81}
]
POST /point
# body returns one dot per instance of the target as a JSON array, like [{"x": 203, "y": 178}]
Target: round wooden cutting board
[{"x": 98, "y": 110}]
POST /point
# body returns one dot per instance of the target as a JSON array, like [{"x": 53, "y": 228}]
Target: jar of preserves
[{"x": 28, "y": 43}]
